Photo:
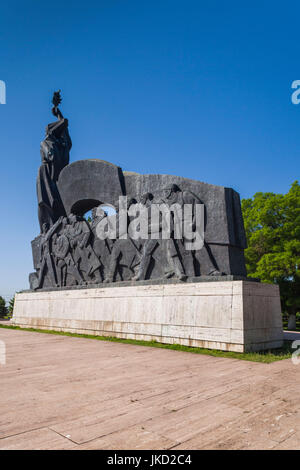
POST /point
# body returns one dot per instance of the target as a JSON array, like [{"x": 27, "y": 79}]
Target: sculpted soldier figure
[{"x": 64, "y": 261}]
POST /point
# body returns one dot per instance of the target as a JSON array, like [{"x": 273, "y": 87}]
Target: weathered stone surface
[
  {"x": 235, "y": 316},
  {"x": 69, "y": 250},
  {"x": 224, "y": 221},
  {"x": 86, "y": 184},
  {"x": 84, "y": 394}
]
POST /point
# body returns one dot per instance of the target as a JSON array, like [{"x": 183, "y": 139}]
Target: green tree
[
  {"x": 3, "y": 309},
  {"x": 272, "y": 224},
  {"x": 11, "y": 304}
]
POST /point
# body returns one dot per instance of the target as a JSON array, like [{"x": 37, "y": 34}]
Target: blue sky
[{"x": 185, "y": 87}]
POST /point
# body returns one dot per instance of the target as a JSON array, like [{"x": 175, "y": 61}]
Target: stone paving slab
[{"x": 60, "y": 392}]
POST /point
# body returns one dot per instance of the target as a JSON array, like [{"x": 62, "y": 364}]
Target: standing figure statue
[{"x": 55, "y": 150}]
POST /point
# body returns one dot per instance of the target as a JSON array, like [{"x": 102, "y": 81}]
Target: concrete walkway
[{"x": 59, "y": 392}]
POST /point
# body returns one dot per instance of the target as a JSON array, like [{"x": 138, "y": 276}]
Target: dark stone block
[{"x": 86, "y": 184}]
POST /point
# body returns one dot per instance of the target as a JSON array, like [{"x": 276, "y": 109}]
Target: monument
[{"x": 167, "y": 265}]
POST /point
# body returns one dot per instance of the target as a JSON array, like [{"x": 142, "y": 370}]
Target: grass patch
[{"x": 266, "y": 357}]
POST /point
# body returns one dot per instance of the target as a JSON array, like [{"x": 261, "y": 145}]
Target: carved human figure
[
  {"x": 84, "y": 253},
  {"x": 60, "y": 248},
  {"x": 46, "y": 263},
  {"x": 98, "y": 214},
  {"x": 54, "y": 150},
  {"x": 102, "y": 248},
  {"x": 123, "y": 249},
  {"x": 173, "y": 196},
  {"x": 174, "y": 266},
  {"x": 64, "y": 261}
]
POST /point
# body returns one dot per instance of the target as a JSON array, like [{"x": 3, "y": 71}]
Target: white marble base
[{"x": 232, "y": 315}]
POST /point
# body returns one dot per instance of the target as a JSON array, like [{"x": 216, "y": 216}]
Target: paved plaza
[{"x": 61, "y": 392}]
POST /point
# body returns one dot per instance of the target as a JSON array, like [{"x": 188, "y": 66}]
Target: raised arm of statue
[{"x": 56, "y": 100}]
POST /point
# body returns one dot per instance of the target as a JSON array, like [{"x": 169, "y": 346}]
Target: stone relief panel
[{"x": 69, "y": 251}]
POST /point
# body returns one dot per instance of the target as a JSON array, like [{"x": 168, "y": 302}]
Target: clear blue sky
[{"x": 187, "y": 87}]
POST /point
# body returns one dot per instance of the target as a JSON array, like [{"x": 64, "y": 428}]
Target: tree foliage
[
  {"x": 3, "y": 309},
  {"x": 11, "y": 304},
  {"x": 272, "y": 224}
]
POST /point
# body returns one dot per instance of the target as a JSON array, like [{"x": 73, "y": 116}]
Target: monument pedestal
[{"x": 233, "y": 315}]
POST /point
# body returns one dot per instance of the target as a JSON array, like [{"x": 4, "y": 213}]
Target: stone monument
[{"x": 123, "y": 275}]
